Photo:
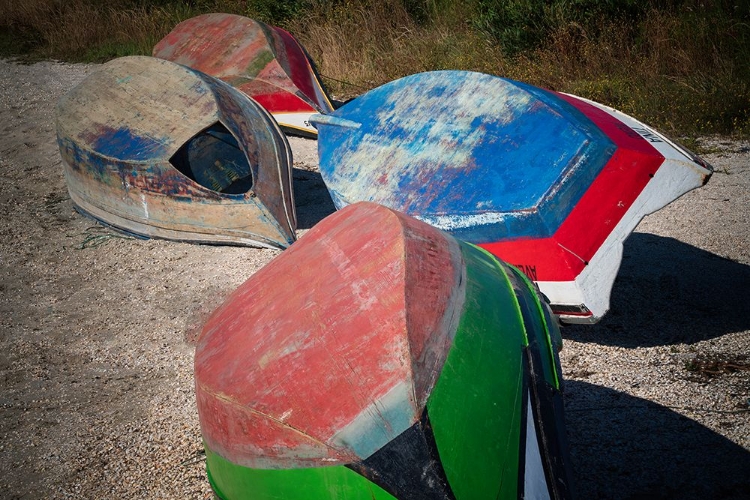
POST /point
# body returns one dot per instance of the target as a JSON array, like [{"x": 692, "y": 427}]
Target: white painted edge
[
  {"x": 299, "y": 121},
  {"x": 534, "y": 481},
  {"x": 593, "y": 287},
  {"x": 665, "y": 146},
  {"x": 678, "y": 174}
]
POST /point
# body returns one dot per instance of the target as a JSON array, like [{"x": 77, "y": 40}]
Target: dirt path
[{"x": 96, "y": 335}]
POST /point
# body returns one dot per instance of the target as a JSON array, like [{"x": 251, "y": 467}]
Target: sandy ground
[{"x": 97, "y": 334}]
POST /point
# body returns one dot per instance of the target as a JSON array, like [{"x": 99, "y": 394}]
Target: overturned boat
[
  {"x": 159, "y": 150},
  {"x": 549, "y": 182},
  {"x": 265, "y": 62},
  {"x": 405, "y": 365}
]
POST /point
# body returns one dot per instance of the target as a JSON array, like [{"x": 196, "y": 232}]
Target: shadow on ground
[
  {"x": 668, "y": 292},
  {"x": 629, "y": 448},
  {"x": 312, "y": 201}
]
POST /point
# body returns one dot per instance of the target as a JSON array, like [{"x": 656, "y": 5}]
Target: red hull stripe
[
  {"x": 283, "y": 102},
  {"x": 563, "y": 256},
  {"x": 301, "y": 71}
]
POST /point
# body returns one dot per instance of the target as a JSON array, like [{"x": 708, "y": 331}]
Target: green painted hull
[
  {"x": 477, "y": 408},
  {"x": 233, "y": 482}
]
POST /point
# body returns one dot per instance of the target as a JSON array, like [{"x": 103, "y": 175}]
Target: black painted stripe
[{"x": 409, "y": 466}]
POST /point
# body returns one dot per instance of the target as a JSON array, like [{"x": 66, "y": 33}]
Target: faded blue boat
[
  {"x": 549, "y": 182},
  {"x": 160, "y": 150}
]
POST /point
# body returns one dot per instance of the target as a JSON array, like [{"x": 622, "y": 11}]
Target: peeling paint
[
  {"x": 136, "y": 138},
  {"x": 265, "y": 62},
  {"x": 344, "y": 349},
  {"x": 427, "y": 392},
  {"x": 541, "y": 179}
]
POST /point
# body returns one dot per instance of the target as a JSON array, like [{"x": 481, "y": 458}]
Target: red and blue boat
[{"x": 548, "y": 182}]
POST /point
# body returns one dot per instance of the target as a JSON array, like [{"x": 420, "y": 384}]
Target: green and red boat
[{"x": 379, "y": 357}]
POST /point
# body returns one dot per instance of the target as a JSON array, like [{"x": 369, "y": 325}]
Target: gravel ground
[{"x": 97, "y": 334}]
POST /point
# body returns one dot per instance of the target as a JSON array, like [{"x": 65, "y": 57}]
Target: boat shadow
[
  {"x": 625, "y": 447},
  {"x": 668, "y": 292},
  {"x": 311, "y": 198}
]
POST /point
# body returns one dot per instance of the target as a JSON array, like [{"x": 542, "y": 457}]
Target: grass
[{"x": 678, "y": 65}]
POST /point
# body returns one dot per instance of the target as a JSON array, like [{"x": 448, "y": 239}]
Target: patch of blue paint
[
  {"x": 122, "y": 144},
  {"x": 455, "y": 143},
  {"x": 377, "y": 425}
]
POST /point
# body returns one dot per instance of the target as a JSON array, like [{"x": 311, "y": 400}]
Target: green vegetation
[{"x": 679, "y": 65}]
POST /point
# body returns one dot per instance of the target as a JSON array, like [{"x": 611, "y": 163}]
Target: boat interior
[{"x": 214, "y": 159}]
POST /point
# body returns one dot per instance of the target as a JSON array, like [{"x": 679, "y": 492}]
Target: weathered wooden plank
[
  {"x": 265, "y": 62},
  {"x": 157, "y": 149},
  {"x": 549, "y": 182},
  {"x": 400, "y": 354}
]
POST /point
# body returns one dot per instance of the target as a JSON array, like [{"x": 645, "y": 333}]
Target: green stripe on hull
[
  {"x": 476, "y": 405},
  {"x": 232, "y": 481},
  {"x": 538, "y": 321}
]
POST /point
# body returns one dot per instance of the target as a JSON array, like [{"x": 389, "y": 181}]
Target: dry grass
[
  {"x": 370, "y": 45},
  {"x": 672, "y": 71},
  {"x": 684, "y": 72},
  {"x": 83, "y": 30}
]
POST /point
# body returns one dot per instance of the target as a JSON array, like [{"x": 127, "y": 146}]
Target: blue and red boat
[{"x": 549, "y": 182}]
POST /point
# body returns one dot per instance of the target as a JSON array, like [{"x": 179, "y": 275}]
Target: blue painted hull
[
  {"x": 512, "y": 168},
  {"x": 549, "y": 182}
]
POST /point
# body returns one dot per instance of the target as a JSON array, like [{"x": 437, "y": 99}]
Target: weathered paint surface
[
  {"x": 402, "y": 354},
  {"x": 577, "y": 266},
  {"x": 125, "y": 130},
  {"x": 330, "y": 372},
  {"x": 548, "y": 182},
  {"x": 265, "y": 62}
]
